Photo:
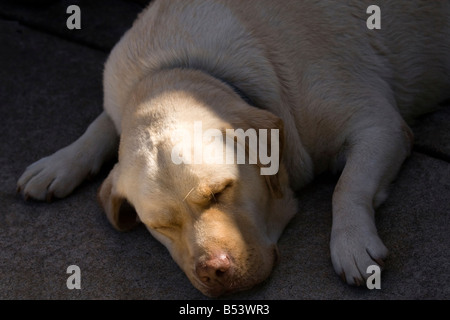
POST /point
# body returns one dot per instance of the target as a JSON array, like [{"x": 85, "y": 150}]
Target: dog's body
[{"x": 344, "y": 94}]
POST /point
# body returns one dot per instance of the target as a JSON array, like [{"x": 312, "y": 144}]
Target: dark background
[{"x": 51, "y": 89}]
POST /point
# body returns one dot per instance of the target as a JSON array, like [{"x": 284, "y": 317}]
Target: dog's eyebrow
[
  {"x": 188, "y": 193},
  {"x": 209, "y": 191}
]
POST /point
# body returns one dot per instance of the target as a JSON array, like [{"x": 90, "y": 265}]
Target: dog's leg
[
  {"x": 57, "y": 175},
  {"x": 374, "y": 155}
]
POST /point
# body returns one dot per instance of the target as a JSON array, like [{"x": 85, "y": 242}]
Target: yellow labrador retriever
[{"x": 336, "y": 95}]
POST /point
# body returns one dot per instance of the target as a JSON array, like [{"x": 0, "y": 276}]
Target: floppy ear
[
  {"x": 262, "y": 119},
  {"x": 119, "y": 211}
]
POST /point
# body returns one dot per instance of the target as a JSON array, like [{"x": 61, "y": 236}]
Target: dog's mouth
[{"x": 218, "y": 289}]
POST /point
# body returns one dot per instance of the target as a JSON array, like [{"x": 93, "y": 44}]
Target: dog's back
[
  {"x": 417, "y": 46},
  {"x": 272, "y": 49},
  {"x": 410, "y": 53}
]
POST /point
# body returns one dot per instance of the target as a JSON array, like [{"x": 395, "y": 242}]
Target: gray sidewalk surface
[{"x": 51, "y": 89}]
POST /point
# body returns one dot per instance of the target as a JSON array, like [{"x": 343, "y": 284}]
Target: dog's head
[{"x": 219, "y": 219}]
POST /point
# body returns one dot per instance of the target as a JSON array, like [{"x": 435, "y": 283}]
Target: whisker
[
  {"x": 188, "y": 193},
  {"x": 213, "y": 196}
]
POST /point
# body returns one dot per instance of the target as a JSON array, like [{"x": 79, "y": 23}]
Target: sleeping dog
[{"x": 333, "y": 94}]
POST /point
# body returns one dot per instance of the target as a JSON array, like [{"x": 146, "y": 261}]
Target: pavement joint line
[{"x": 39, "y": 28}]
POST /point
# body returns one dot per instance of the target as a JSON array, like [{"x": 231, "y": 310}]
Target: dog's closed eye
[
  {"x": 209, "y": 193},
  {"x": 215, "y": 195}
]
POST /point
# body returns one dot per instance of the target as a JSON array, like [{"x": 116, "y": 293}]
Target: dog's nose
[{"x": 216, "y": 268}]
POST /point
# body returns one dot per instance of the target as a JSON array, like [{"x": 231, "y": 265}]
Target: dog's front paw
[
  {"x": 53, "y": 176},
  {"x": 353, "y": 249}
]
